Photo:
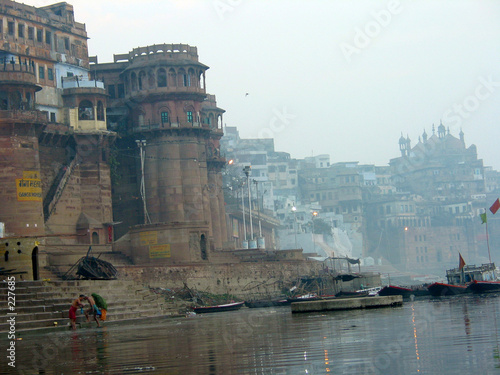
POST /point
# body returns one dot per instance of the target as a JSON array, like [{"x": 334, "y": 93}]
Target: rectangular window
[
  {"x": 39, "y": 35},
  {"x": 190, "y": 116},
  {"x": 48, "y": 37},
  {"x": 111, "y": 91},
  {"x": 66, "y": 43},
  {"x": 10, "y": 26},
  {"x": 52, "y": 117},
  {"x": 121, "y": 90},
  {"x": 31, "y": 33},
  {"x": 1, "y": 26},
  {"x": 50, "y": 74},
  {"x": 164, "y": 117},
  {"x": 41, "y": 72},
  {"x": 20, "y": 31}
]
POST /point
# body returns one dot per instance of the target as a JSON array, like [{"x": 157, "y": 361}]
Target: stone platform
[{"x": 347, "y": 304}]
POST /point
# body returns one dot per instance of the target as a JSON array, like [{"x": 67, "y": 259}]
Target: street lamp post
[
  {"x": 294, "y": 209},
  {"x": 142, "y": 144},
  {"x": 247, "y": 170},
  {"x": 314, "y": 214}
]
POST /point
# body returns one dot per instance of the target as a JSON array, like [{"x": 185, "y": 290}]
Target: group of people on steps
[{"x": 97, "y": 308}]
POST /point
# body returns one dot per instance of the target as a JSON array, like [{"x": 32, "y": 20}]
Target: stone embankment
[{"x": 45, "y": 304}]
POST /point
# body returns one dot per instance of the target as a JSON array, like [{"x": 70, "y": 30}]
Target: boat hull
[
  {"x": 443, "y": 289},
  {"x": 392, "y": 290},
  {"x": 479, "y": 287},
  {"x": 218, "y": 308}
]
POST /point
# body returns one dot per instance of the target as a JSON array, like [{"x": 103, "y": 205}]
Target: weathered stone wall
[{"x": 244, "y": 280}]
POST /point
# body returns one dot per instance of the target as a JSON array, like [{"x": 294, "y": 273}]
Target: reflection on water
[{"x": 446, "y": 336}]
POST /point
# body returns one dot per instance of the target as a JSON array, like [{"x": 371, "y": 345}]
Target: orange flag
[{"x": 461, "y": 262}]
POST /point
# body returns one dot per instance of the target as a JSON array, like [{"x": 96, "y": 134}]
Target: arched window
[
  {"x": 191, "y": 78},
  {"x": 100, "y": 111},
  {"x": 165, "y": 119},
  {"x": 172, "y": 77},
  {"x": 142, "y": 80},
  {"x": 183, "y": 78},
  {"x": 151, "y": 79},
  {"x": 133, "y": 79},
  {"x": 189, "y": 115},
  {"x": 162, "y": 78},
  {"x": 85, "y": 110}
]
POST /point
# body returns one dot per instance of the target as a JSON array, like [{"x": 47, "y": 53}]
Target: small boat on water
[
  {"x": 443, "y": 289},
  {"x": 405, "y": 292},
  {"x": 305, "y": 297},
  {"x": 218, "y": 308},
  {"x": 479, "y": 287}
]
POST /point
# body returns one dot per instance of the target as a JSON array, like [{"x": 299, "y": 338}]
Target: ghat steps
[{"x": 45, "y": 304}]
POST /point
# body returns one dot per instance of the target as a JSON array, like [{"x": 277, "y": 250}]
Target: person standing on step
[
  {"x": 77, "y": 303},
  {"x": 101, "y": 303},
  {"x": 93, "y": 309}
]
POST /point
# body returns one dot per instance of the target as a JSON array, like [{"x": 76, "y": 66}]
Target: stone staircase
[{"x": 45, "y": 304}]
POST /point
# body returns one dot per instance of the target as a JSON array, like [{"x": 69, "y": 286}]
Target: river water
[{"x": 428, "y": 336}]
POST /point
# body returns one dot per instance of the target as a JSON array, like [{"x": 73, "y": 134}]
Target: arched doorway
[
  {"x": 95, "y": 238},
  {"x": 203, "y": 247},
  {"x": 34, "y": 263}
]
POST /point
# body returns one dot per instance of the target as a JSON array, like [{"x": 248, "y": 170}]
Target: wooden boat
[
  {"x": 305, "y": 297},
  {"x": 443, "y": 289},
  {"x": 479, "y": 287},
  {"x": 344, "y": 294},
  {"x": 267, "y": 303},
  {"x": 218, "y": 308},
  {"x": 393, "y": 290}
]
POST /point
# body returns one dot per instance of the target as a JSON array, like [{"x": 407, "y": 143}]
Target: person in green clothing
[{"x": 101, "y": 304}]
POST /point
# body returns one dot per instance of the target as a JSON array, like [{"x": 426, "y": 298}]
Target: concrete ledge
[{"x": 347, "y": 304}]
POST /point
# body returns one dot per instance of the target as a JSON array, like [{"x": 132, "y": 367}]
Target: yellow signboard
[
  {"x": 29, "y": 189},
  {"x": 148, "y": 238},
  {"x": 159, "y": 251}
]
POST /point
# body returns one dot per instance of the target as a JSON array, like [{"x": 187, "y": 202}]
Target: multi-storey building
[{"x": 56, "y": 179}]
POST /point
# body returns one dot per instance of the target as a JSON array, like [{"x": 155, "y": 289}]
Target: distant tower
[
  {"x": 441, "y": 131},
  {"x": 408, "y": 145},
  {"x": 424, "y": 136},
  {"x": 402, "y": 145},
  {"x": 462, "y": 136}
]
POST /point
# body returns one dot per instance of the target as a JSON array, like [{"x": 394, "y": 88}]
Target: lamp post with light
[
  {"x": 247, "y": 170},
  {"x": 294, "y": 209},
  {"x": 314, "y": 214},
  {"x": 142, "y": 144}
]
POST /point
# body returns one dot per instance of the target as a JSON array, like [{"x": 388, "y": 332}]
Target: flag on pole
[
  {"x": 483, "y": 218},
  {"x": 461, "y": 262},
  {"x": 495, "y": 206}
]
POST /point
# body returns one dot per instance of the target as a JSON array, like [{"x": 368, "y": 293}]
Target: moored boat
[
  {"x": 479, "y": 287},
  {"x": 443, "y": 289},
  {"x": 218, "y": 308},
  {"x": 393, "y": 290}
]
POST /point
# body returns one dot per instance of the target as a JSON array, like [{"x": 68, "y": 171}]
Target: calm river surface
[{"x": 430, "y": 336}]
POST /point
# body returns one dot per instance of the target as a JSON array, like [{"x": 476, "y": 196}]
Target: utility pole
[
  {"x": 142, "y": 144},
  {"x": 247, "y": 170}
]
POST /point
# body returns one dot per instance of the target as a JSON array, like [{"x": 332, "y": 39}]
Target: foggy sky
[{"x": 344, "y": 78}]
